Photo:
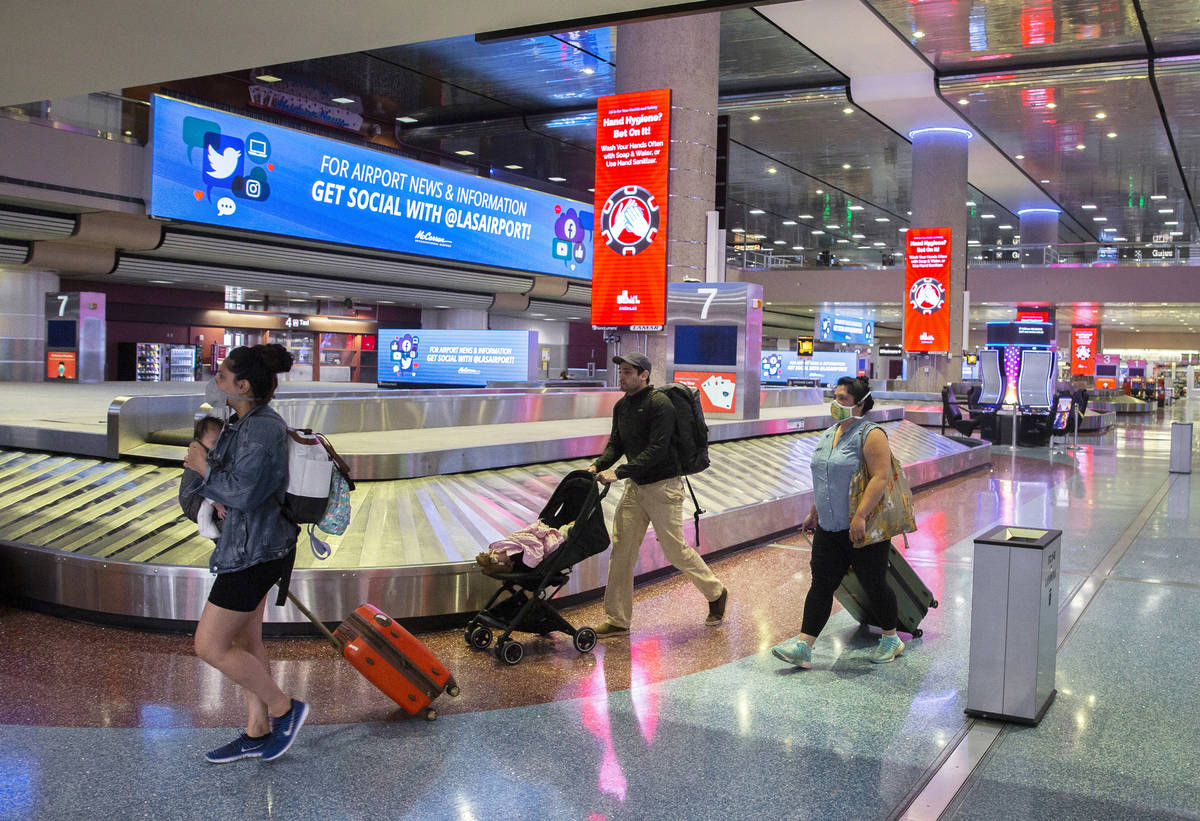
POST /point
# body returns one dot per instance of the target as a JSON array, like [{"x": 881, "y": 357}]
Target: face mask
[
  {"x": 217, "y": 398},
  {"x": 839, "y": 411}
]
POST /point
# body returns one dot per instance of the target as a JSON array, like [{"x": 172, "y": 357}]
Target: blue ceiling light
[{"x": 941, "y": 130}]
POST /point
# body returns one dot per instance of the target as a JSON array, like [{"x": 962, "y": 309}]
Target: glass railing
[{"x": 106, "y": 115}]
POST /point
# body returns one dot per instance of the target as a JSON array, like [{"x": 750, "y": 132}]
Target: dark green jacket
[{"x": 643, "y": 425}]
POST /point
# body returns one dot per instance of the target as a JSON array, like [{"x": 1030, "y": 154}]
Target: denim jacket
[{"x": 248, "y": 473}]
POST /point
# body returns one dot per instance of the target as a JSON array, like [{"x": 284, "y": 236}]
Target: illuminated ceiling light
[
  {"x": 161, "y": 281},
  {"x": 1099, "y": 219},
  {"x": 1171, "y": 222},
  {"x": 1080, "y": 146},
  {"x": 903, "y": 230},
  {"x": 406, "y": 119},
  {"x": 739, "y": 230},
  {"x": 1177, "y": 233},
  {"x": 1111, "y": 135},
  {"x": 845, "y": 166},
  {"x": 1166, "y": 210},
  {"x": 806, "y": 216},
  {"x": 465, "y": 153},
  {"x": 772, "y": 170},
  {"x": 858, "y": 236},
  {"x": 797, "y": 247},
  {"x": 918, "y": 34},
  {"x": 342, "y": 100},
  {"x": 972, "y": 242},
  {"x": 1051, "y": 106},
  {"x": 513, "y": 167},
  {"x": 964, "y": 101},
  {"x": 789, "y": 222},
  {"x": 970, "y": 203},
  {"x": 758, "y": 236},
  {"x": 987, "y": 216},
  {"x": 847, "y": 110},
  {"x": 819, "y": 191},
  {"x": 854, "y": 208},
  {"x": 882, "y": 219},
  {"x": 756, "y": 211},
  {"x": 878, "y": 244},
  {"x": 843, "y": 242},
  {"x": 832, "y": 227},
  {"x": 941, "y": 130},
  {"x": 269, "y": 78},
  {"x": 1044, "y": 182},
  {"x": 1088, "y": 207},
  {"x": 1020, "y": 156},
  {"x": 593, "y": 190},
  {"x": 780, "y": 242},
  {"x": 1158, "y": 196},
  {"x": 589, "y": 71},
  {"x": 1100, "y": 115},
  {"x": 1024, "y": 211},
  {"x": 755, "y": 118},
  {"x": 818, "y": 233},
  {"x": 557, "y": 179}
]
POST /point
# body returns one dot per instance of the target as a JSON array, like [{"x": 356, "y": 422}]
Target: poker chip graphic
[
  {"x": 927, "y": 295},
  {"x": 629, "y": 220}
]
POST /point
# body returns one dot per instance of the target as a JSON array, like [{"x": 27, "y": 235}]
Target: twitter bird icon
[{"x": 222, "y": 160}]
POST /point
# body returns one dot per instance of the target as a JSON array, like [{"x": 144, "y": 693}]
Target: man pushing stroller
[{"x": 643, "y": 426}]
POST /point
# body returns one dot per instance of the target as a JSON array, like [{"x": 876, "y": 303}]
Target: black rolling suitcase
[{"x": 913, "y": 598}]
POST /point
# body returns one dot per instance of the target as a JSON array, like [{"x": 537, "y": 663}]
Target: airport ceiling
[{"x": 1096, "y": 101}]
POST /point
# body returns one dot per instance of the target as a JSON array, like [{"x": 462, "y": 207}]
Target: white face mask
[{"x": 217, "y": 398}]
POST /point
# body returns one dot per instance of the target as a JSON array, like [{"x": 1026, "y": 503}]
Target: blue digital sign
[
  {"x": 222, "y": 169},
  {"x": 842, "y": 328},
  {"x": 416, "y": 357},
  {"x": 826, "y": 366}
]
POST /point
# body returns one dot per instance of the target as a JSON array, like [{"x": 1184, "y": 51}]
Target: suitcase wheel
[
  {"x": 585, "y": 639},
  {"x": 452, "y": 689},
  {"x": 430, "y": 714},
  {"x": 510, "y": 652},
  {"x": 480, "y": 637},
  {"x": 917, "y": 633}
]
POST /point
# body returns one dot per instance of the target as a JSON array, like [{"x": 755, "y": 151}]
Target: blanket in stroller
[{"x": 526, "y": 547}]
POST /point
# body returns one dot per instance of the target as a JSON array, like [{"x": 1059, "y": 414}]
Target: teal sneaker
[
  {"x": 889, "y": 647},
  {"x": 794, "y": 651}
]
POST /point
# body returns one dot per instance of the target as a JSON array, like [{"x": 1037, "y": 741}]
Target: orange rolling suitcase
[{"x": 389, "y": 657}]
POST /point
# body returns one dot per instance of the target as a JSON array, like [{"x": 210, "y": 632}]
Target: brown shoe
[
  {"x": 716, "y": 609},
  {"x": 609, "y": 630}
]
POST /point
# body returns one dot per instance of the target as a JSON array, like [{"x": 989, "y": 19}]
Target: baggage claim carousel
[{"x": 91, "y": 527}]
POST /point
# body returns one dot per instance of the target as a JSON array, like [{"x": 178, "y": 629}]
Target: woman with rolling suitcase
[
  {"x": 247, "y": 471},
  {"x": 841, "y": 452}
]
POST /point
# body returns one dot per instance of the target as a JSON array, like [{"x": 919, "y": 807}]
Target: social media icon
[
  {"x": 226, "y": 206},
  {"x": 257, "y": 148},
  {"x": 253, "y": 189},
  {"x": 222, "y": 159}
]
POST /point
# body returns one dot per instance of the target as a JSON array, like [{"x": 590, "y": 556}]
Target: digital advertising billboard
[
  {"x": 410, "y": 357},
  {"x": 833, "y": 327},
  {"x": 927, "y": 290},
  {"x": 629, "y": 274},
  {"x": 212, "y": 167},
  {"x": 1083, "y": 350},
  {"x": 826, "y": 366}
]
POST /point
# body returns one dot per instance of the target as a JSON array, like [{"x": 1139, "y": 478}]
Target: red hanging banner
[
  {"x": 629, "y": 265},
  {"x": 927, "y": 290},
  {"x": 1083, "y": 350}
]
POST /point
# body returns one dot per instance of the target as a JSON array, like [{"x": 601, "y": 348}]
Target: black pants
[{"x": 832, "y": 556}]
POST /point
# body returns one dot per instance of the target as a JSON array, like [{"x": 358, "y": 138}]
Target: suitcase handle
[{"x": 330, "y": 637}]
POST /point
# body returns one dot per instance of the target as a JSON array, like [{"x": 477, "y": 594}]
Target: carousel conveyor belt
[{"x": 108, "y": 537}]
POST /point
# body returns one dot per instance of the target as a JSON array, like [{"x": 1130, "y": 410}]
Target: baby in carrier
[
  {"x": 524, "y": 549},
  {"x": 204, "y": 513}
]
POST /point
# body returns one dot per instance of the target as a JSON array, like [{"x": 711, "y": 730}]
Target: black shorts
[{"x": 242, "y": 590}]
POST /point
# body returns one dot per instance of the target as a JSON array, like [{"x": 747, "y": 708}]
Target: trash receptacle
[
  {"x": 1014, "y": 624},
  {"x": 1181, "y": 447}
]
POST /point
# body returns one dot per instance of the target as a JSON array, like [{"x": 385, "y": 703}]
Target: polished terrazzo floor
[{"x": 680, "y": 720}]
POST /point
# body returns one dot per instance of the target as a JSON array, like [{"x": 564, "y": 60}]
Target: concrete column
[
  {"x": 939, "y": 200},
  {"x": 682, "y": 54},
  {"x": 23, "y": 324},
  {"x": 454, "y": 318},
  {"x": 1039, "y": 226}
]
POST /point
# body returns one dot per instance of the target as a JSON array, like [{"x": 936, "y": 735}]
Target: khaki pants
[{"x": 660, "y": 504}]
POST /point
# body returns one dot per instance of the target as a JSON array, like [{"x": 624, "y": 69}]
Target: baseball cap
[{"x": 635, "y": 359}]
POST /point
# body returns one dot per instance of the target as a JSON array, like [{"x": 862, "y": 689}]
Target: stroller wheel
[
  {"x": 510, "y": 652},
  {"x": 585, "y": 639},
  {"x": 480, "y": 638},
  {"x": 467, "y": 633}
]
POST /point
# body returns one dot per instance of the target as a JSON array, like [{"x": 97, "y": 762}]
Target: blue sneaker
[
  {"x": 241, "y": 747},
  {"x": 889, "y": 647},
  {"x": 284, "y": 730},
  {"x": 794, "y": 651}
]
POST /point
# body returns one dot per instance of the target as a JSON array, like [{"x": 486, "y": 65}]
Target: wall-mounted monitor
[
  {"x": 60, "y": 333},
  {"x": 706, "y": 345},
  {"x": 1106, "y": 370}
]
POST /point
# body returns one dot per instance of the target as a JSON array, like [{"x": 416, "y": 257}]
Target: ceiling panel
[
  {"x": 969, "y": 35},
  {"x": 1174, "y": 25},
  {"x": 1179, "y": 83}
]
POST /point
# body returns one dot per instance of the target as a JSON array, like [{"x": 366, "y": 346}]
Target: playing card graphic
[{"x": 720, "y": 391}]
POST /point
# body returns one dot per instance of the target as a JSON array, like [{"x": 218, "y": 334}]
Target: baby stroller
[{"x": 522, "y": 604}]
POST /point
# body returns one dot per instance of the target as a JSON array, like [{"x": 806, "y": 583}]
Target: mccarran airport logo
[
  {"x": 927, "y": 295},
  {"x": 629, "y": 220}
]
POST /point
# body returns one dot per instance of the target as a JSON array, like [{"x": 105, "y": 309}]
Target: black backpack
[{"x": 690, "y": 439}]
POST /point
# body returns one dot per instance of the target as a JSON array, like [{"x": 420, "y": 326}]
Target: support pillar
[
  {"x": 23, "y": 324},
  {"x": 1039, "y": 227},
  {"x": 682, "y": 54},
  {"x": 939, "y": 200},
  {"x": 464, "y": 319}
]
